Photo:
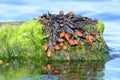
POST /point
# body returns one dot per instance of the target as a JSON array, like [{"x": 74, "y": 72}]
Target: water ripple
[
  {"x": 13, "y": 2},
  {"x": 107, "y": 16}
]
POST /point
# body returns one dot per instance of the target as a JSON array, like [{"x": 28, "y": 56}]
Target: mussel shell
[{"x": 60, "y": 40}]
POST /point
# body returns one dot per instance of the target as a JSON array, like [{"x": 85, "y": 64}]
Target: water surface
[{"x": 106, "y": 10}]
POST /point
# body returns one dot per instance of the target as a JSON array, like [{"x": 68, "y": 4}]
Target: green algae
[
  {"x": 24, "y": 41},
  {"x": 27, "y": 41}
]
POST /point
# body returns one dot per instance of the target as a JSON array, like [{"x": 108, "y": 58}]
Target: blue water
[{"x": 106, "y": 10}]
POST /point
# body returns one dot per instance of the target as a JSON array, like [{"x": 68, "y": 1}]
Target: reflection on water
[
  {"x": 32, "y": 70},
  {"x": 78, "y": 71}
]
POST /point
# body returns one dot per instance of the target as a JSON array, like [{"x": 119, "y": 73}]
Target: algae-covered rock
[{"x": 27, "y": 41}]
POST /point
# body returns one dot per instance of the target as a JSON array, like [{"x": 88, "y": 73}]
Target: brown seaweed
[{"x": 67, "y": 28}]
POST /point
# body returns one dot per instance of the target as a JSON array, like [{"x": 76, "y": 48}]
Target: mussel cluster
[{"x": 67, "y": 30}]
